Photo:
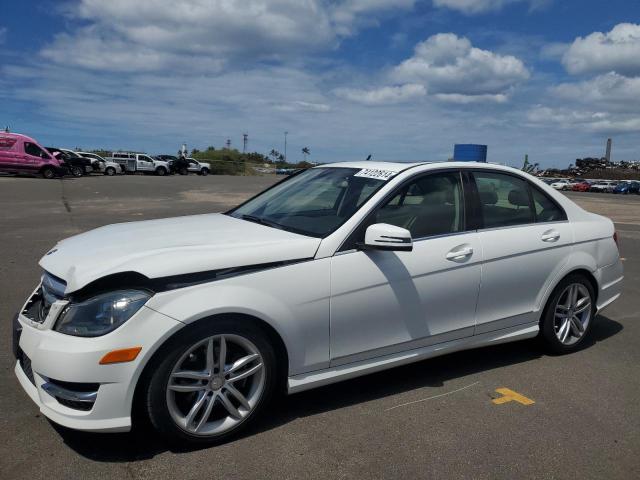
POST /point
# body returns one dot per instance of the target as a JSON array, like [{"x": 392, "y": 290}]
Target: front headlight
[{"x": 101, "y": 314}]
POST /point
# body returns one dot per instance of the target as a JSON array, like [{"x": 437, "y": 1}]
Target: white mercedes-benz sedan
[{"x": 337, "y": 271}]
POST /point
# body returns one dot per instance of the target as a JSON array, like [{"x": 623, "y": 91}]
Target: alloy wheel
[
  {"x": 572, "y": 314},
  {"x": 215, "y": 385}
]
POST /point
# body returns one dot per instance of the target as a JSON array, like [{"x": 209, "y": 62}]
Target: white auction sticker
[{"x": 376, "y": 173}]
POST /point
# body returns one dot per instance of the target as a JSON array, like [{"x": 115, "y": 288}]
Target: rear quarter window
[{"x": 546, "y": 209}]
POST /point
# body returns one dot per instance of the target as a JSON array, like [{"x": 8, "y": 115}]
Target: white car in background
[
  {"x": 201, "y": 168},
  {"x": 560, "y": 184},
  {"x": 603, "y": 186},
  {"x": 335, "y": 272},
  {"x": 102, "y": 165},
  {"x": 139, "y": 162}
]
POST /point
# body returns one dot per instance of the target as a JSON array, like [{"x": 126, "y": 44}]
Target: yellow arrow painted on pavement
[{"x": 509, "y": 395}]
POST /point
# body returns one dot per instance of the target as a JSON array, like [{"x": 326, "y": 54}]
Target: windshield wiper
[{"x": 262, "y": 221}]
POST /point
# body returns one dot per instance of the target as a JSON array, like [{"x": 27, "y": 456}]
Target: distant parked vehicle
[
  {"x": 176, "y": 165},
  {"x": 603, "y": 186},
  {"x": 627, "y": 187},
  {"x": 581, "y": 187},
  {"x": 139, "y": 162},
  {"x": 20, "y": 154},
  {"x": 560, "y": 184},
  {"x": 77, "y": 165},
  {"x": 102, "y": 165},
  {"x": 201, "y": 168}
]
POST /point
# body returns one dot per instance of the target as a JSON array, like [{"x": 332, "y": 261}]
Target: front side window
[
  {"x": 314, "y": 202},
  {"x": 431, "y": 205},
  {"x": 504, "y": 200},
  {"x": 34, "y": 150}
]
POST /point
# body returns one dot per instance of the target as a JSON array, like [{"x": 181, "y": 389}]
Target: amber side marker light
[{"x": 120, "y": 356}]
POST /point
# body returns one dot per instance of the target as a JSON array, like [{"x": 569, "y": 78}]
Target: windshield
[{"x": 314, "y": 202}]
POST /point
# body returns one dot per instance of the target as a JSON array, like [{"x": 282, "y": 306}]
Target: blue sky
[{"x": 400, "y": 79}]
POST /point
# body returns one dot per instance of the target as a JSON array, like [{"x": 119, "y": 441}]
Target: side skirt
[{"x": 307, "y": 381}]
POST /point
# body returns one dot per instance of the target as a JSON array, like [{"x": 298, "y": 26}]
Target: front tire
[
  {"x": 211, "y": 382},
  {"x": 568, "y": 315},
  {"x": 204, "y": 172},
  {"x": 77, "y": 171},
  {"x": 48, "y": 173},
  {"x": 110, "y": 171},
  {"x": 161, "y": 172}
]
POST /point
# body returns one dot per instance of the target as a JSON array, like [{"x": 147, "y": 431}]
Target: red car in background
[{"x": 581, "y": 187}]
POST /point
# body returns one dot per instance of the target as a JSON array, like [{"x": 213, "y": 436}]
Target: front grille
[{"x": 51, "y": 289}]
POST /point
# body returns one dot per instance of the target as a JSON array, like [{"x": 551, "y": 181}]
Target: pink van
[{"x": 22, "y": 154}]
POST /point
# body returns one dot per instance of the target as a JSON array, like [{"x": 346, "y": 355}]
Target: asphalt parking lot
[{"x": 434, "y": 419}]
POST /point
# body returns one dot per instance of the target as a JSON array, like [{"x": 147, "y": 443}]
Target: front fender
[{"x": 293, "y": 299}]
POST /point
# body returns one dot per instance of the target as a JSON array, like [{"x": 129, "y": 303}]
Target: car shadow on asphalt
[{"x": 143, "y": 443}]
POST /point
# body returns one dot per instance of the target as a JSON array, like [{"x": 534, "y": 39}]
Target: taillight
[{"x": 615, "y": 238}]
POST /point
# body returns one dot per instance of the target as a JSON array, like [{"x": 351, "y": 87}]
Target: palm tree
[
  {"x": 527, "y": 167},
  {"x": 305, "y": 152},
  {"x": 274, "y": 154}
]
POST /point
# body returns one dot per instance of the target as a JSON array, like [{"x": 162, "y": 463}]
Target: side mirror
[{"x": 382, "y": 236}]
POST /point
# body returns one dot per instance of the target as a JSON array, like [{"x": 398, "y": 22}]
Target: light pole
[{"x": 285, "y": 146}]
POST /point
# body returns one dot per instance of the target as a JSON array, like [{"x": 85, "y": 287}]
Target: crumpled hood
[{"x": 172, "y": 246}]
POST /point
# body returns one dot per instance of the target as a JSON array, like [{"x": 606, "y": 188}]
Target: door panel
[
  {"x": 521, "y": 257},
  {"x": 384, "y": 302},
  {"x": 519, "y": 265}
]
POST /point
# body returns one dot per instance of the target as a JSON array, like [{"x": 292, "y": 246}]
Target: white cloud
[
  {"x": 583, "y": 119},
  {"x": 554, "y": 51},
  {"x": 302, "y": 106},
  {"x": 383, "y": 95},
  {"x": 617, "y": 50},
  {"x": 349, "y": 14},
  {"x": 203, "y": 35},
  {"x": 611, "y": 91},
  {"x": 92, "y": 49},
  {"x": 449, "y": 65},
  {"x": 466, "y": 99},
  {"x": 472, "y": 7}
]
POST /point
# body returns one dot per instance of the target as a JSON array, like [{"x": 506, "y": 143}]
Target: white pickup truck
[
  {"x": 201, "y": 168},
  {"x": 139, "y": 162}
]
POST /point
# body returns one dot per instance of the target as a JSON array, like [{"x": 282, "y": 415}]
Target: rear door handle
[
  {"x": 459, "y": 253},
  {"x": 550, "y": 236}
]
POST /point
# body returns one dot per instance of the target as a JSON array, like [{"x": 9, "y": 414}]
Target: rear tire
[
  {"x": 183, "y": 171},
  {"x": 169, "y": 408},
  {"x": 568, "y": 315}
]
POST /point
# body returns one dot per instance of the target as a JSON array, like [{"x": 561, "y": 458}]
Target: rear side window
[
  {"x": 546, "y": 209},
  {"x": 504, "y": 200}
]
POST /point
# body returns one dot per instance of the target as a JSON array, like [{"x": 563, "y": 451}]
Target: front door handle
[
  {"x": 550, "y": 236},
  {"x": 459, "y": 253}
]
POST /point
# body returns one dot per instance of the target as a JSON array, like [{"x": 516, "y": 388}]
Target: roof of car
[
  {"x": 17, "y": 135},
  {"x": 401, "y": 166}
]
